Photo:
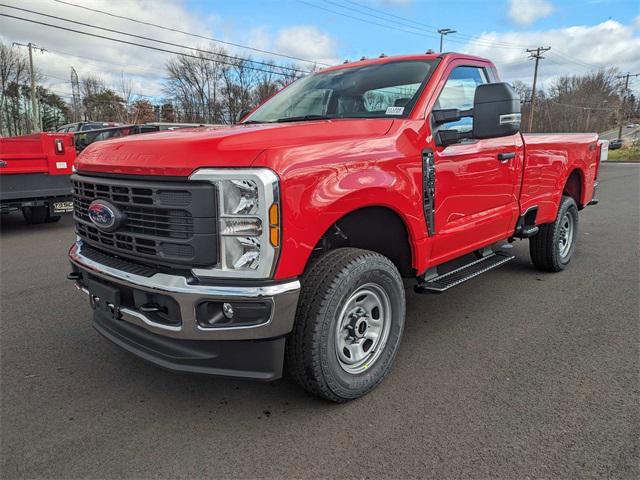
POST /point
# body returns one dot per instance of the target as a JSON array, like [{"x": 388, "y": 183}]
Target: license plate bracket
[{"x": 104, "y": 297}]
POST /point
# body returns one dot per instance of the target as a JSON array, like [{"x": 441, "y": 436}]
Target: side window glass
[
  {"x": 380, "y": 99},
  {"x": 458, "y": 93}
]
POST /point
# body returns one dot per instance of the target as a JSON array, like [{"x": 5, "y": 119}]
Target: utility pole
[
  {"x": 537, "y": 54},
  {"x": 75, "y": 94},
  {"x": 36, "y": 125},
  {"x": 443, "y": 32},
  {"x": 624, "y": 100}
]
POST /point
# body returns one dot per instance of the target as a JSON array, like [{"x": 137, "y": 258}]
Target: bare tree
[
  {"x": 195, "y": 84},
  {"x": 215, "y": 87},
  {"x": 126, "y": 95},
  {"x": 13, "y": 74}
]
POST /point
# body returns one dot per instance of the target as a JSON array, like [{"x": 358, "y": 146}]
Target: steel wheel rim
[
  {"x": 565, "y": 238},
  {"x": 362, "y": 329}
]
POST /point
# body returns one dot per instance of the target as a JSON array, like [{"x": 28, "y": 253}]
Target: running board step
[
  {"x": 527, "y": 232},
  {"x": 455, "y": 277}
]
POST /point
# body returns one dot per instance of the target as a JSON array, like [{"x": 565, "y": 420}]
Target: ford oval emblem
[{"x": 104, "y": 215}]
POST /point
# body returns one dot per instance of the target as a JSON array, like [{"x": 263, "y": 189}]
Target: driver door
[{"x": 476, "y": 189}]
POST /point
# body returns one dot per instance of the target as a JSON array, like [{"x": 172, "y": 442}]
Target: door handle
[
  {"x": 505, "y": 157},
  {"x": 3, "y": 164}
]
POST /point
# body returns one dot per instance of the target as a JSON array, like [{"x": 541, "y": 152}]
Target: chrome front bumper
[{"x": 283, "y": 298}]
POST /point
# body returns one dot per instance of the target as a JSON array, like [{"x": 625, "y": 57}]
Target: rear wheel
[
  {"x": 552, "y": 247},
  {"x": 348, "y": 324},
  {"x": 35, "y": 215}
]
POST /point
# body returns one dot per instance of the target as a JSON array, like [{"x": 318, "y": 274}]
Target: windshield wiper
[
  {"x": 303, "y": 117},
  {"x": 250, "y": 122}
]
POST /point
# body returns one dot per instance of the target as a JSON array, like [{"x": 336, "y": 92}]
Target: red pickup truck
[
  {"x": 34, "y": 175},
  {"x": 285, "y": 242}
]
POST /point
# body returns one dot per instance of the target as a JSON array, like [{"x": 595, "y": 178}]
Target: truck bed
[
  {"x": 549, "y": 160},
  {"x": 35, "y": 170}
]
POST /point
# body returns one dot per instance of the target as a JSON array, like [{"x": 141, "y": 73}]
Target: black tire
[
  {"x": 35, "y": 215},
  {"x": 545, "y": 247},
  {"x": 330, "y": 282}
]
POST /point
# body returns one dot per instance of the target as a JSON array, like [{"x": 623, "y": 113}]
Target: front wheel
[
  {"x": 552, "y": 247},
  {"x": 348, "y": 324}
]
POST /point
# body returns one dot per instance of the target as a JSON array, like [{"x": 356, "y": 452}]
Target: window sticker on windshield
[{"x": 394, "y": 111}]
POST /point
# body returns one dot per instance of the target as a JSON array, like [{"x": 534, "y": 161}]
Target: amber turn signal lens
[
  {"x": 273, "y": 215},
  {"x": 274, "y": 236},
  {"x": 274, "y": 225}
]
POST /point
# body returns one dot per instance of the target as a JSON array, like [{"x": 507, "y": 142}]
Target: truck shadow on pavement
[
  {"x": 428, "y": 317},
  {"x": 14, "y": 223}
]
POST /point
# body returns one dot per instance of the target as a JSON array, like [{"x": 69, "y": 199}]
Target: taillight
[
  {"x": 59, "y": 146},
  {"x": 603, "y": 150}
]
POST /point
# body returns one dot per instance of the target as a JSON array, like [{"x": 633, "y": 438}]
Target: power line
[
  {"x": 367, "y": 21},
  {"x": 158, "y": 49},
  {"x": 66, "y": 80},
  {"x": 472, "y": 38},
  {"x": 195, "y": 35},
  {"x": 141, "y": 37},
  {"x": 420, "y": 32},
  {"x": 57, "y": 78},
  {"x": 104, "y": 62},
  {"x": 434, "y": 29},
  {"x": 566, "y": 58},
  {"x": 583, "y": 107}
]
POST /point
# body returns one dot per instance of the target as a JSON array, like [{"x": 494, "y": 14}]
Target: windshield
[{"x": 371, "y": 91}]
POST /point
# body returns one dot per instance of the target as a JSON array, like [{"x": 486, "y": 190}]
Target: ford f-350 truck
[{"x": 284, "y": 242}]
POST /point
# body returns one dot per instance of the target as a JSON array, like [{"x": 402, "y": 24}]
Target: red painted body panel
[
  {"x": 330, "y": 168},
  {"x": 180, "y": 152},
  {"x": 550, "y": 159},
  {"x": 36, "y": 154}
]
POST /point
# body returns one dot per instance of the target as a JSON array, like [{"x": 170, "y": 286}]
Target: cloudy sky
[{"x": 583, "y": 34}]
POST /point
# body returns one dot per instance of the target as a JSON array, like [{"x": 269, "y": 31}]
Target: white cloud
[
  {"x": 574, "y": 50},
  {"x": 109, "y": 60},
  {"x": 526, "y": 12},
  {"x": 637, "y": 22},
  {"x": 308, "y": 42},
  {"x": 145, "y": 68}
]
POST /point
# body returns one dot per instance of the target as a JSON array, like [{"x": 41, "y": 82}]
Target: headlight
[{"x": 249, "y": 221}]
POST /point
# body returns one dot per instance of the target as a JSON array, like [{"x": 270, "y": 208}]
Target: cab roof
[{"x": 396, "y": 58}]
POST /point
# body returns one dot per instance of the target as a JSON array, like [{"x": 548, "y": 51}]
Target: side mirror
[
  {"x": 243, "y": 113},
  {"x": 450, "y": 115},
  {"x": 449, "y": 137},
  {"x": 496, "y": 111}
]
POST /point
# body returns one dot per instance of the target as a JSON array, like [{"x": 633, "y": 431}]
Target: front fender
[{"x": 315, "y": 199}]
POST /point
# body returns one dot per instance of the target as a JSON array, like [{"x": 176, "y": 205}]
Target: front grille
[
  {"x": 166, "y": 223},
  {"x": 147, "y": 220}
]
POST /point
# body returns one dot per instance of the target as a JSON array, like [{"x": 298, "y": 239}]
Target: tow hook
[
  {"x": 94, "y": 301},
  {"x": 74, "y": 276}
]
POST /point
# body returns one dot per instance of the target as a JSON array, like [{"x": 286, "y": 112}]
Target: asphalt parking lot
[{"x": 515, "y": 374}]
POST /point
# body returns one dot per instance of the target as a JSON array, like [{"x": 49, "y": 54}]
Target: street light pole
[{"x": 443, "y": 32}]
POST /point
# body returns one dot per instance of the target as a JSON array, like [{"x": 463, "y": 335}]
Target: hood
[{"x": 179, "y": 152}]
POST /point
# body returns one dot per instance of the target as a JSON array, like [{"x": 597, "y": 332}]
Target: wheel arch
[
  {"x": 574, "y": 186},
  {"x": 374, "y": 227}
]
